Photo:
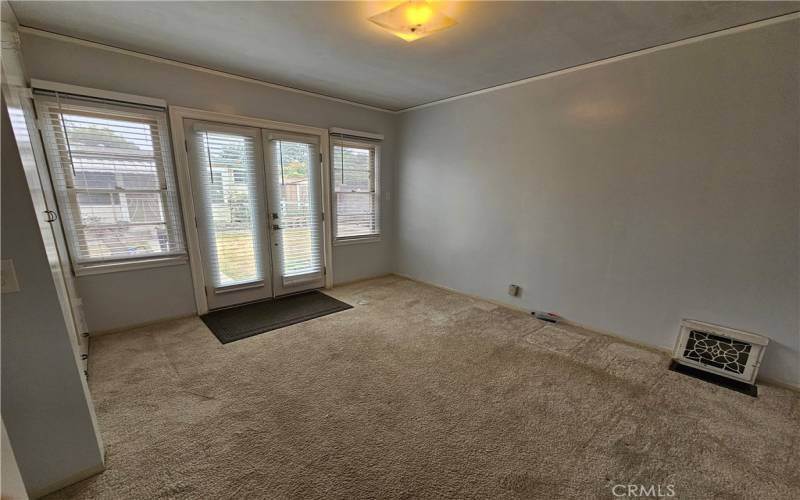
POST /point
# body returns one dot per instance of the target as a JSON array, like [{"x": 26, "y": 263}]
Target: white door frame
[{"x": 176, "y": 116}]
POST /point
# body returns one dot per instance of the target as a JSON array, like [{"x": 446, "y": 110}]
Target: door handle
[
  {"x": 51, "y": 216},
  {"x": 275, "y": 227}
]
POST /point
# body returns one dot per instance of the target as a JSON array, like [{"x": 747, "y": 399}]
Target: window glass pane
[
  {"x": 355, "y": 190},
  {"x": 352, "y": 169},
  {"x": 132, "y": 241},
  {"x": 296, "y": 207},
  {"x": 99, "y": 208},
  {"x": 112, "y": 172},
  {"x": 231, "y": 194},
  {"x": 92, "y": 179},
  {"x": 144, "y": 207}
]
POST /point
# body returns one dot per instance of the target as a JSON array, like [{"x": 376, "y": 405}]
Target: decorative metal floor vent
[{"x": 717, "y": 349}]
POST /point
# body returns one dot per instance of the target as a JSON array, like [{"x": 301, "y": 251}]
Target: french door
[
  {"x": 257, "y": 201},
  {"x": 295, "y": 205}
]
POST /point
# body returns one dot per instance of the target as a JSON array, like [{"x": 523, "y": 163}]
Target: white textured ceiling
[{"x": 330, "y": 47}]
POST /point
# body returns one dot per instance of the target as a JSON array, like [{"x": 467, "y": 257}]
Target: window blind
[
  {"x": 112, "y": 171},
  {"x": 356, "y": 190},
  {"x": 295, "y": 199},
  {"x": 226, "y": 165}
]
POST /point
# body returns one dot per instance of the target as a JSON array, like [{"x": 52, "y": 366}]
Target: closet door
[
  {"x": 229, "y": 194},
  {"x": 295, "y": 211}
]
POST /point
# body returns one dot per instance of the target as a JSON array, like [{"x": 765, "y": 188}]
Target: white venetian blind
[
  {"x": 226, "y": 168},
  {"x": 355, "y": 186},
  {"x": 112, "y": 170},
  {"x": 295, "y": 198}
]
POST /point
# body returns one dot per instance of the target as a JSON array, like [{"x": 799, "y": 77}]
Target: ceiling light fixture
[{"x": 413, "y": 20}]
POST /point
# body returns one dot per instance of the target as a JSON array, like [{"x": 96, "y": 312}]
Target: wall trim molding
[
  {"x": 121, "y": 329},
  {"x": 141, "y": 55},
  {"x": 360, "y": 280},
  {"x": 80, "y": 476},
  {"x": 621, "y": 57},
  {"x": 590, "y": 329}
]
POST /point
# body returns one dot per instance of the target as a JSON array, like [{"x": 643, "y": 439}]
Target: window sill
[
  {"x": 356, "y": 241},
  {"x": 130, "y": 265}
]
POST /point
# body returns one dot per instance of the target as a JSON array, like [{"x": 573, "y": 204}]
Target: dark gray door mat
[{"x": 240, "y": 322}]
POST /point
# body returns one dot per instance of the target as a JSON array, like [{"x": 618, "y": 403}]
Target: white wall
[
  {"x": 624, "y": 196},
  {"x": 44, "y": 403},
  {"x": 11, "y": 485},
  {"x": 122, "y": 299}
]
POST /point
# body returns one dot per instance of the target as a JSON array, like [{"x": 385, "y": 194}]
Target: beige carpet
[{"x": 421, "y": 393}]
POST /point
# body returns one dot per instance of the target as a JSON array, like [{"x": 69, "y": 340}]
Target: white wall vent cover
[{"x": 717, "y": 349}]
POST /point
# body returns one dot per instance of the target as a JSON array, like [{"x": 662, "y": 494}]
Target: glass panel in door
[
  {"x": 295, "y": 207},
  {"x": 229, "y": 195}
]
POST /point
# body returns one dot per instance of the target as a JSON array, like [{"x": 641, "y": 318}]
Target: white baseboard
[
  {"x": 79, "y": 476},
  {"x": 100, "y": 333},
  {"x": 359, "y": 280},
  {"x": 628, "y": 340},
  {"x": 778, "y": 383}
]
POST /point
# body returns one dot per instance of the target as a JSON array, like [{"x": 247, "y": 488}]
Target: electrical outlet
[{"x": 8, "y": 277}]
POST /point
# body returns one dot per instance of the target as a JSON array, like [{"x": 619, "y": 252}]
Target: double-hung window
[
  {"x": 356, "y": 189},
  {"x": 112, "y": 171}
]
